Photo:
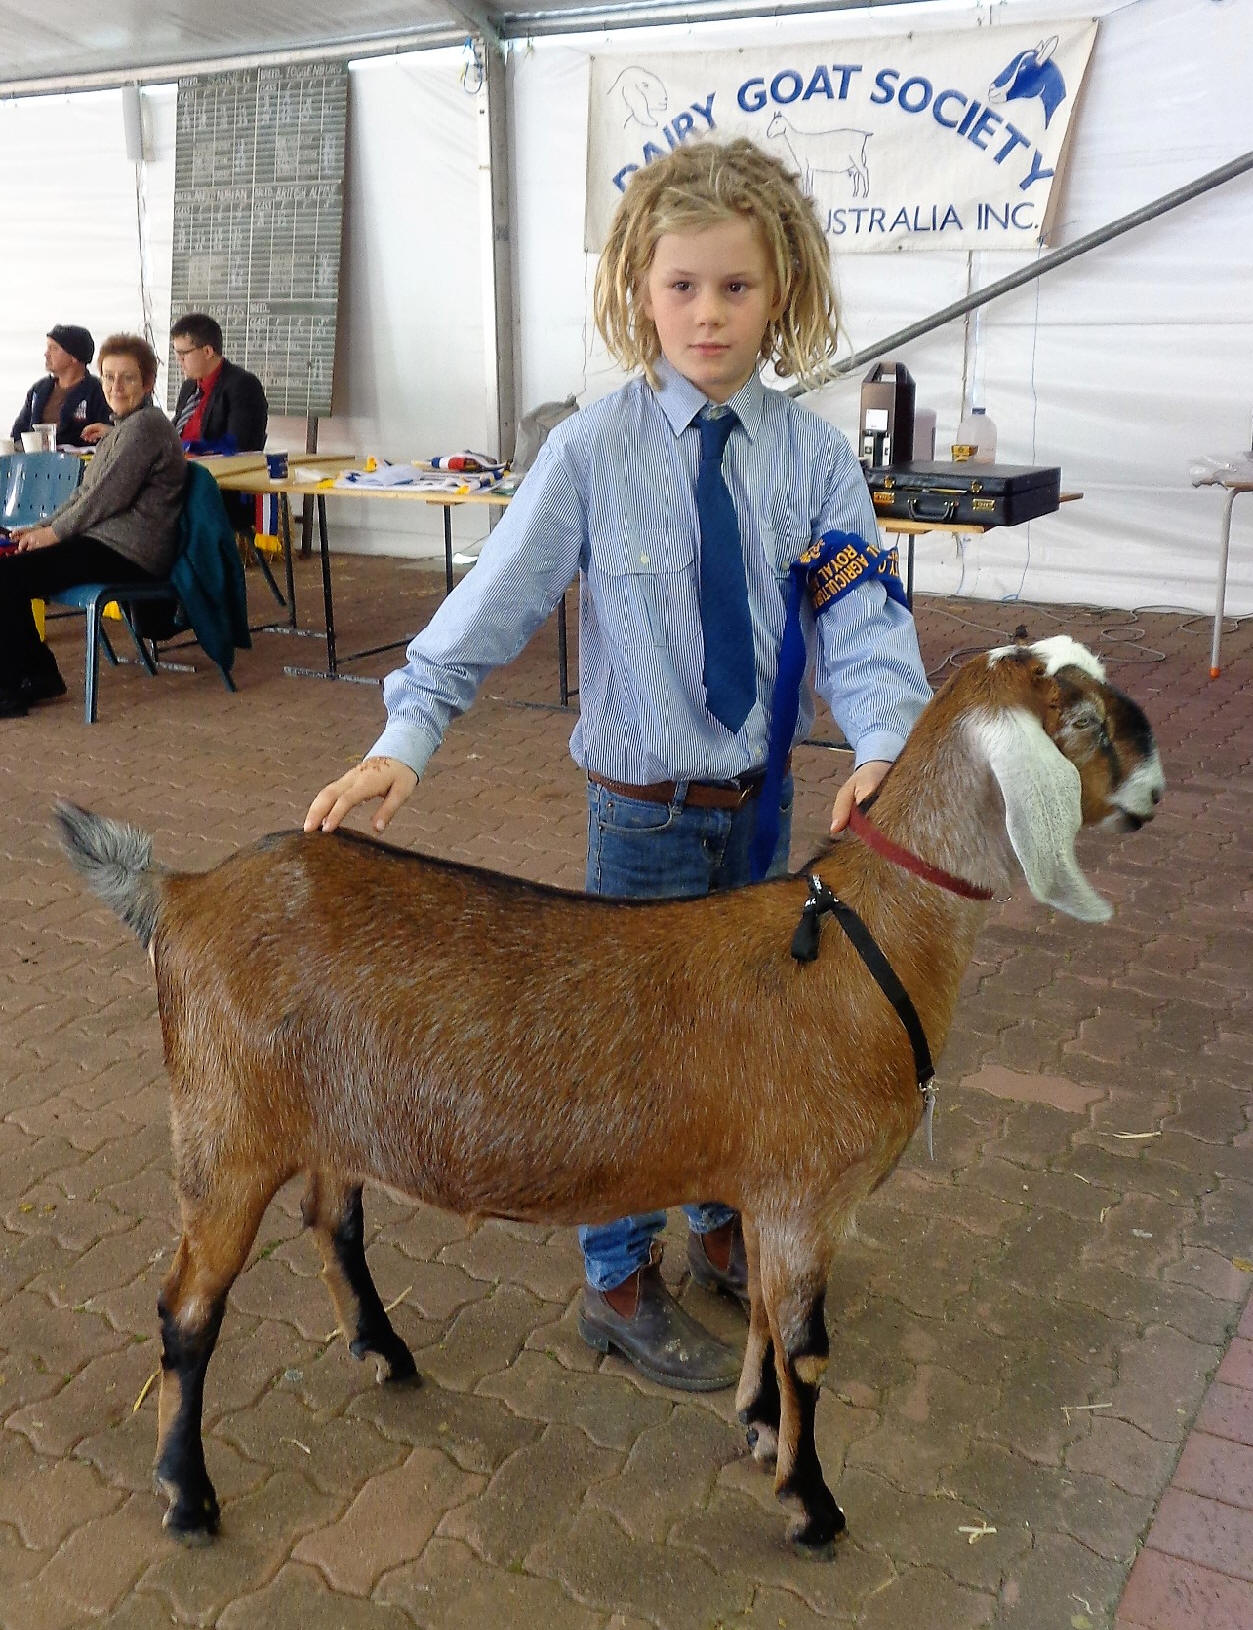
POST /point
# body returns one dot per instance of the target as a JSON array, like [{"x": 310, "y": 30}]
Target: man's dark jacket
[
  {"x": 84, "y": 404},
  {"x": 236, "y": 408}
]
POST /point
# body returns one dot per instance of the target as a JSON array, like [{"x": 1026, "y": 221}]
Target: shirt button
[{"x": 643, "y": 560}]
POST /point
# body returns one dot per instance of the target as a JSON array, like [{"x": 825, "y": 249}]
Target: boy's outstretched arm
[
  {"x": 385, "y": 778},
  {"x": 863, "y": 781}
]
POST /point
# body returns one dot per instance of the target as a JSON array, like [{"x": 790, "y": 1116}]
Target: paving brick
[
  {"x": 101, "y": 1394},
  {"x": 602, "y": 1567},
  {"x": 103, "y": 1557},
  {"x": 1228, "y": 1413},
  {"x": 475, "y": 1432},
  {"x": 388, "y": 1522},
  {"x": 45, "y": 1501},
  {"x": 612, "y": 1411},
  {"x": 481, "y": 1339},
  {"x": 335, "y": 1454},
  {"x": 1210, "y": 1532},
  {"x": 1165, "y": 1593},
  {"x": 505, "y": 1523},
  {"x": 1056, "y": 1581},
  {"x": 1217, "y": 1468},
  {"x": 1236, "y": 1369},
  {"x": 1128, "y": 1457},
  {"x": 449, "y": 1588},
  {"x": 549, "y": 1265}
]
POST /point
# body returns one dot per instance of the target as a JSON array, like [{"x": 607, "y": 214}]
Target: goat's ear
[{"x": 1043, "y": 810}]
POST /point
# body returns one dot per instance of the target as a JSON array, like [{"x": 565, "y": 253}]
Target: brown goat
[{"x": 336, "y": 1007}]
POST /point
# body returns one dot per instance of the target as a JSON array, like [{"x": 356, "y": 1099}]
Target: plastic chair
[
  {"x": 32, "y": 485},
  {"x": 91, "y": 599}
]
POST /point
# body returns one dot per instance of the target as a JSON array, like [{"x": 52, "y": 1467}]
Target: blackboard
[{"x": 258, "y": 218}]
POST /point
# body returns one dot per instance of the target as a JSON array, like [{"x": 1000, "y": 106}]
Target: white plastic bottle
[{"x": 976, "y": 438}]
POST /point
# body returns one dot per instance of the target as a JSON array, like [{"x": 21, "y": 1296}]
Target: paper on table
[{"x": 1211, "y": 470}]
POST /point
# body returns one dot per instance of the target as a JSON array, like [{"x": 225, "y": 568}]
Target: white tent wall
[
  {"x": 1120, "y": 366},
  {"x": 72, "y": 241}
]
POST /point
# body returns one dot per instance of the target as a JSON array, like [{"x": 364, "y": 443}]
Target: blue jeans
[{"x": 639, "y": 850}]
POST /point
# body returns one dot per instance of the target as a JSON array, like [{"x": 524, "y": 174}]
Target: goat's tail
[{"x": 116, "y": 860}]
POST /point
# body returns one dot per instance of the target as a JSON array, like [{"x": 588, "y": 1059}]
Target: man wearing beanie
[{"x": 67, "y": 396}]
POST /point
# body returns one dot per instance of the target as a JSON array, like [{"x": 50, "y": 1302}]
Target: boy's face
[{"x": 711, "y": 295}]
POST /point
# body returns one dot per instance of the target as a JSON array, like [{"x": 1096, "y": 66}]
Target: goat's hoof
[
  {"x": 763, "y": 1441},
  {"x": 395, "y": 1373},
  {"x": 815, "y": 1535},
  {"x": 393, "y": 1363},
  {"x": 191, "y": 1519}
]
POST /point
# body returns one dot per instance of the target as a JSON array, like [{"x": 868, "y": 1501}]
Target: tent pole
[{"x": 1015, "y": 280}]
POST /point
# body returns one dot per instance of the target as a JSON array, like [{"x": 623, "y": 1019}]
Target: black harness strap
[{"x": 822, "y": 902}]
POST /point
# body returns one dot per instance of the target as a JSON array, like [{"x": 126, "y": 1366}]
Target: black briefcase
[{"x": 967, "y": 494}]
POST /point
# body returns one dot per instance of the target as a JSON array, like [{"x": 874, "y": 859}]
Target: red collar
[{"x": 871, "y": 836}]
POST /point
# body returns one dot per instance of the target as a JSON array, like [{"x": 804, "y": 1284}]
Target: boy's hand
[
  {"x": 385, "y": 778},
  {"x": 863, "y": 781}
]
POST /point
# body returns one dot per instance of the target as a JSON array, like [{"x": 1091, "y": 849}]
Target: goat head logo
[{"x": 1030, "y": 74}]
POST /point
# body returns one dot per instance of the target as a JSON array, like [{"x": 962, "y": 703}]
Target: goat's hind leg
[
  {"x": 757, "y": 1397},
  {"x": 332, "y": 1209},
  {"x": 217, "y": 1235},
  {"x": 794, "y": 1291}
]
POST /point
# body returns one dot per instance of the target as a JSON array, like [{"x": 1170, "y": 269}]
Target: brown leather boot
[
  {"x": 718, "y": 1260},
  {"x": 641, "y": 1320}
]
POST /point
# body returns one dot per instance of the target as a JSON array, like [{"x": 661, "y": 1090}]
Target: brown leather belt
[{"x": 700, "y": 794}]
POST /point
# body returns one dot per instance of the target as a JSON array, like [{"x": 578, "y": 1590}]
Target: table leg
[
  {"x": 563, "y": 661},
  {"x": 447, "y": 508},
  {"x": 1224, "y": 549},
  {"x": 328, "y": 601},
  {"x": 284, "y": 521}
]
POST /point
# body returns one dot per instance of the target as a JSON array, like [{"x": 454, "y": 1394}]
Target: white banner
[{"x": 933, "y": 141}]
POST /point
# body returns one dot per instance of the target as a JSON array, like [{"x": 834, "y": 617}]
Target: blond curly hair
[{"x": 698, "y": 186}]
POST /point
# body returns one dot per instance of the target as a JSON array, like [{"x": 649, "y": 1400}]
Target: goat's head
[{"x": 1066, "y": 750}]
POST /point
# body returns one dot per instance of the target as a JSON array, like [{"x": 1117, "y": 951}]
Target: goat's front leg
[
  {"x": 793, "y": 1283},
  {"x": 757, "y": 1398},
  {"x": 217, "y": 1236},
  {"x": 332, "y": 1209}
]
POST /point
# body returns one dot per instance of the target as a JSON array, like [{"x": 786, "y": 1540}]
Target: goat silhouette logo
[
  {"x": 1030, "y": 74},
  {"x": 825, "y": 159},
  {"x": 642, "y": 96}
]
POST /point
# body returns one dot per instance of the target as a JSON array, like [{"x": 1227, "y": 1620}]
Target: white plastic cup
[{"x": 41, "y": 439}]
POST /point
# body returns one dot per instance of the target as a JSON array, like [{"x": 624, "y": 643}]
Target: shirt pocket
[
  {"x": 787, "y": 531},
  {"x": 645, "y": 559}
]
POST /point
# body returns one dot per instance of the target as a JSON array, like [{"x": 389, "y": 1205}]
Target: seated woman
[{"x": 120, "y": 526}]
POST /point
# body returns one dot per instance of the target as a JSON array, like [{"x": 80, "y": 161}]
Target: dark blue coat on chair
[{"x": 208, "y": 574}]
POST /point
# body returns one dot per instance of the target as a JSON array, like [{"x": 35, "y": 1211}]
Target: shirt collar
[{"x": 681, "y": 401}]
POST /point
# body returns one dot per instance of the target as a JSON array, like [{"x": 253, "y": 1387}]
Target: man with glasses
[{"x": 218, "y": 401}]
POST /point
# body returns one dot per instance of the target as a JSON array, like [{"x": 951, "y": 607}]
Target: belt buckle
[{"x": 745, "y": 786}]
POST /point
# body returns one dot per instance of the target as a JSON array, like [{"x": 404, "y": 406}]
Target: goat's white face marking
[
  {"x": 1056, "y": 652},
  {"x": 1139, "y": 794},
  {"x": 1043, "y": 808}
]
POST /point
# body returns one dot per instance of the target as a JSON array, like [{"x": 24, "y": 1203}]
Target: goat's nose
[{"x": 1156, "y": 794}]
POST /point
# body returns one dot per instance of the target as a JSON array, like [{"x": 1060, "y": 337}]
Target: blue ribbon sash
[{"x": 828, "y": 569}]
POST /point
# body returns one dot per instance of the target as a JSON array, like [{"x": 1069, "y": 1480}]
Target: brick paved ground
[{"x": 1024, "y": 1333}]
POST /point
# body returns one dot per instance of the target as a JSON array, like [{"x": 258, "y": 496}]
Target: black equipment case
[{"x": 969, "y": 494}]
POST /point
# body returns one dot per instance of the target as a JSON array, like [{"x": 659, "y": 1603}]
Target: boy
[{"x": 681, "y": 502}]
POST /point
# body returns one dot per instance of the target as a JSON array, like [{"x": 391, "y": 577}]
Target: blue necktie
[{"x": 730, "y": 665}]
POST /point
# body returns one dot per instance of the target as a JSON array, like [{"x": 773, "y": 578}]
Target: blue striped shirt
[{"x": 611, "y": 498}]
